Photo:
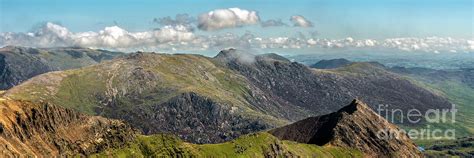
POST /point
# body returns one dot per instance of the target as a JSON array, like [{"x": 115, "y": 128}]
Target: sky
[{"x": 348, "y": 21}]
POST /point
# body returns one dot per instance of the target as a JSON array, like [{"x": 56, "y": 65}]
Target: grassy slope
[
  {"x": 460, "y": 95},
  {"x": 252, "y": 145}
]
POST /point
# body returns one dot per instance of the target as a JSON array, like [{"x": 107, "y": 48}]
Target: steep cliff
[{"x": 44, "y": 130}]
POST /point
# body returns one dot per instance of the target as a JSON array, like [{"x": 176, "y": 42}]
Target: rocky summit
[{"x": 353, "y": 126}]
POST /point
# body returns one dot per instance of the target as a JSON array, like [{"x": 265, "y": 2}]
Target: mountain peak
[
  {"x": 353, "y": 126},
  {"x": 355, "y": 105},
  {"x": 233, "y": 55}
]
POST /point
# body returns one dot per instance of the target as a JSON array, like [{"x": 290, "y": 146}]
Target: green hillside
[
  {"x": 462, "y": 96},
  {"x": 253, "y": 145}
]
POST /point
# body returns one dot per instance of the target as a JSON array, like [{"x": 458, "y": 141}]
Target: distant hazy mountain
[
  {"x": 209, "y": 100},
  {"x": 465, "y": 75},
  {"x": 331, "y": 64},
  {"x": 18, "y": 64}
]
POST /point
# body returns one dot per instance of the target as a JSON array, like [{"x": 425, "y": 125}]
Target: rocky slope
[
  {"x": 18, "y": 64},
  {"x": 324, "y": 91},
  {"x": 44, "y": 130},
  {"x": 353, "y": 126},
  {"x": 211, "y": 100}
]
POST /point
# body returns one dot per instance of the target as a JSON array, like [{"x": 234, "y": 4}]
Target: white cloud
[
  {"x": 470, "y": 44},
  {"x": 114, "y": 37},
  {"x": 227, "y": 18},
  {"x": 300, "y": 21}
]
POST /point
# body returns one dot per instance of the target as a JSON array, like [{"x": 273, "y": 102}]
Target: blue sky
[{"x": 331, "y": 18}]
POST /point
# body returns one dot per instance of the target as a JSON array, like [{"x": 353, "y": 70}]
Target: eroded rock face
[
  {"x": 45, "y": 130},
  {"x": 192, "y": 117},
  {"x": 354, "y": 126}
]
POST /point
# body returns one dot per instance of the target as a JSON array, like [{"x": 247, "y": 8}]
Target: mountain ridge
[{"x": 354, "y": 125}]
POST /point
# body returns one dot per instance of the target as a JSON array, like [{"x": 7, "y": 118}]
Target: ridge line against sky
[{"x": 422, "y": 25}]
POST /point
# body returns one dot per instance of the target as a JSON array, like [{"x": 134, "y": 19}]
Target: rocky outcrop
[
  {"x": 354, "y": 126},
  {"x": 45, "y": 130}
]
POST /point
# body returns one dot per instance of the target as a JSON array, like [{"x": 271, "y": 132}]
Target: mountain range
[
  {"x": 229, "y": 99},
  {"x": 228, "y": 95}
]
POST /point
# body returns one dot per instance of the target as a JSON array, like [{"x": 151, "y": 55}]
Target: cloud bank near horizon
[{"x": 180, "y": 37}]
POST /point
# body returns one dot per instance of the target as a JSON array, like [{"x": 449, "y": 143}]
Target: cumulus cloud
[
  {"x": 53, "y": 35},
  {"x": 272, "y": 23},
  {"x": 300, "y": 21},
  {"x": 227, "y": 18}
]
